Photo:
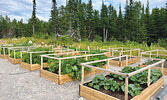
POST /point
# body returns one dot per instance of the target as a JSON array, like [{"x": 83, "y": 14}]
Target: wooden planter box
[
  {"x": 123, "y": 63},
  {"x": 164, "y": 69},
  {"x": 108, "y": 54},
  {"x": 14, "y": 61},
  {"x": 61, "y": 79},
  {"x": 4, "y": 56},
  {"x": 32, "y": 67},
  {"x": 92, "y": 94}
]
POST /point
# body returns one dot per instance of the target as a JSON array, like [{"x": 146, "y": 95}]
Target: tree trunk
[
  {"x": 104, "y": 34},
  {"x": 33, "y": 29}
]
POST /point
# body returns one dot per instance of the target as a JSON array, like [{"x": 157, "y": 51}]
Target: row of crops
[{"x": 66, "y": 64}]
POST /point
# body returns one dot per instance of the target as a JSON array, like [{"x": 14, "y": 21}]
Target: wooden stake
[
  {"x": 108, "y": 65},
  {"x": 130, "y": 54},
  {"x": 149, "y": 73},
  {"x": 120, "y": 57},
  {"x": 112, "y": 52},
  {"x": 126, "y": 88},
  {"x": 41, "y": 62},
  {"x": 59, "y": 67},
  {"x": 82, "y": 80},
  {"x": 139, "y": 53},
  {"x": 150, "y": 54},
  {"x": 30, "y": 58},
  {"x": 162, "y": 69},
  {"x": 126, "y": 60},
  {"x": 4, "y": 51},
  {"x": 157, "y": 53}
]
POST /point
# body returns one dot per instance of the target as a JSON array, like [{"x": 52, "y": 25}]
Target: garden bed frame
[
  {"x": 59, "y": 78},
  {"x": 31, "y": 67},
  {"x": 93, "y": 94},
  {"x": 5, "y": 56},
  {"x": 14, "y": 60},
  {"x": 156, "y": 53}
]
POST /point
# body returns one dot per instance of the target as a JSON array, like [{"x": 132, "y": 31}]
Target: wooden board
[
  {"x": 50, "y": 76},
  {"x": 92, "y": 94},
  {"x": 108, "y": 54},
  {"x": 62, "y": 78},
  {"x": 30, "y": 67},
  {"x": 123, "y": 63},
  {"x": 14, "y": 61},
  {"x": 149, "y": 91},
  {"x": 4, "y": 56}
]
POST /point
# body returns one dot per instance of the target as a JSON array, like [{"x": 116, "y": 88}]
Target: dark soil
[
  {"x": 123, "y": 58},
  {"x": 47, "y": 69},
  {"x": 118, "y": 94}
]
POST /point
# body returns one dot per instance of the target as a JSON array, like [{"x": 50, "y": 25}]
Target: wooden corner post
[
  {"x": 82, "y": 80},
  {"x": 30, "y": 58},
  {"x": 126, "y": 87}
]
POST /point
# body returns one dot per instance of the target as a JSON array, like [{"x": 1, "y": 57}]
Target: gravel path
[{"x": 19, "y": 84}]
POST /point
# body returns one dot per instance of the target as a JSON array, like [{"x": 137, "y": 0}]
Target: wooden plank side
[
  {"x": 4, "y": 56},
  {"x": 108, "y": 54},
  {"x": 92, "y": 94},
  {"x": 134, "y": 60},
  {"x": 65, "y": 78},
  {"x": 14, "y": 61},
  {"x": 25, "y": 66},
  {"x": 50, "y": 76},
  {"x": 114, "y": 63},
  {"x": 34, "y": 67},
  {"x": 148, "y": 92}
]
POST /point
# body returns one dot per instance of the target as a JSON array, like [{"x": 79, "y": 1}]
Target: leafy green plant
[
  {"x": 6, "y": 51},
  {"x": 17, "y": 54},
  {"x": 150, "y": 62},
  {"x": 36, "y": 59},
  {"x": 72, "y": 66},
  {"x": 136, "y": 81}
]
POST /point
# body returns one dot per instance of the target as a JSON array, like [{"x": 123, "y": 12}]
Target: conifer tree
[{"x": 34, "y": 16}]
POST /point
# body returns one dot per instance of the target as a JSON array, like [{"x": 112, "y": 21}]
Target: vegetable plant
[
  {"x": 116, "y": 82},
  {"x": 36, "y": 59},
  {"x": 17, "y": 54},
  {"x": 72, "y": 66}
]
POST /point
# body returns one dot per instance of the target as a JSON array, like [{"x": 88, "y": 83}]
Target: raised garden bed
[
  {"x": 149, "y": 62},
  {"x": 92, "y": 94},
  {"x": 4, "y": 56},
  {"x": 122, "y": 62},
  {"x": 31, "y": 60},
  {"x": 15, "y": 55},
  {"x": 131, "y": 83},
  {"x": 69, "y": 69}
]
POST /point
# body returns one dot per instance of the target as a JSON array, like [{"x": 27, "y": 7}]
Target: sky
[{"x": 22, "y": 9}]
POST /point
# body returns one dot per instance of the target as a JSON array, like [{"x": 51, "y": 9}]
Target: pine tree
[
  {"x": 112, "y": 20},
  {"x": 120, "y": 25},
  {"x": 54, "y": 17},
  {"x": 34, "y": 16},
  {"x": 89, "y": 11},
  {"x": 104, "y": 21}
]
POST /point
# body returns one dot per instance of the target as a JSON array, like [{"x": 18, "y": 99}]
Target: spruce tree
[
  {"x": 54, "y": 17},
  {"x": 89, "y": 11},
  {"x": 104, "y": 21},
  {"x": 120, "y": 25},
  {"x": 34, "y": 16}
]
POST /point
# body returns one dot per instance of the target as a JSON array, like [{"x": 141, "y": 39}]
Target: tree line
[{"x": 80, "y": 21}]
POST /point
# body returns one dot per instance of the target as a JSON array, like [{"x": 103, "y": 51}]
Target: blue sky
[{"x": 22, "y": 9}]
